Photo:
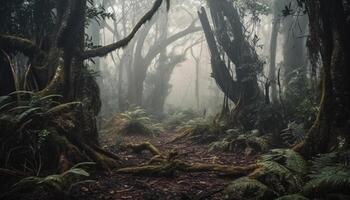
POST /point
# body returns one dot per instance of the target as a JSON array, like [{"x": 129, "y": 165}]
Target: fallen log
[{"x": 172, "y": 167}]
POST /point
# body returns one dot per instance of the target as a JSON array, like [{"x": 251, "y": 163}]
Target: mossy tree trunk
[
  {"x": 329, "y": 26},
  {"x": 228, "y": 35}
]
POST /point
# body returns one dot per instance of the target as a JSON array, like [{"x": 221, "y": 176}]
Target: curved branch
[
  {"x": 22, "y": 45},
  {"x": 102, "y": 51},
  {"x": 156, "y": 49}
]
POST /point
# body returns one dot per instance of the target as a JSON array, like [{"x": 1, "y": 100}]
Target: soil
[{"x": 204, "y": 185}]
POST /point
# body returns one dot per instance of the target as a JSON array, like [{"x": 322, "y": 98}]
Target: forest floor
[{"x": 194, "y": 186}]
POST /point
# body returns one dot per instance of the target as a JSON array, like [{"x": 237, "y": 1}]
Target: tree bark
[
  {"x": 273, "y": 48},
  {"x": 333, "y": 118}
]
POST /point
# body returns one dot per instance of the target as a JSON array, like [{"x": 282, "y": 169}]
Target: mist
[{"x": 173, "y": 99}]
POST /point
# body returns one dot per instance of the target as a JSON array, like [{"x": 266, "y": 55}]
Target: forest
[{"x": 175, "y": 99}]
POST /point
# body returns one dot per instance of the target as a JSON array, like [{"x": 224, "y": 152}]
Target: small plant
[
  {"x": 293, "y": 134},
  {"x": 59, "y": 185},
  {"x": 134, "y": 121},
  {"x": 248, "y": 143},
  {"x": 26, "y": 121},
  {"x": 201, "y": 130},
  {"x": 178, "y": 118}
]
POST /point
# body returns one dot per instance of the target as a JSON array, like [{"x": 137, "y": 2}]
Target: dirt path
[{"x": 181, "y": 186}]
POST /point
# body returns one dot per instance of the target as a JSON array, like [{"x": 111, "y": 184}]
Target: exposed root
[
  {"x": 180, "y": 137},
  {"x": 106, "y": 153},
  {"x": 170, "y": 168},
  {"x": 160, "y": 165},
  {"x": 138, "y": 148}
]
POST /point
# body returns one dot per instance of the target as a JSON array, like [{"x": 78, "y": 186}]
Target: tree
[
  {"x": 229, "y": 35},
  {"x": 277, "y": 10},
  {"x": 329, "y": 31},
  {"x": 62, "y": 48}
]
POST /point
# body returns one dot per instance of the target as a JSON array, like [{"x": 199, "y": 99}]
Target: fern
[
  {"x": 330, "y": 173},
  {"x": 293, "y": 134},
  {"x": 56, "y": 183},
  {"x": 279, "y": 178},
  {"x": 25, "y": 121},
  {"x": 201, "y": 130},
  {"x": 178, "y": 118},
  {"x": 288, "y": 158},
  {"x": 134, "y": 121},
  {"x": 247, "y": 188}
]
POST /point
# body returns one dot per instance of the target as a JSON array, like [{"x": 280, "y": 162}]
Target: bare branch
[{"x": 102, "y": 51}]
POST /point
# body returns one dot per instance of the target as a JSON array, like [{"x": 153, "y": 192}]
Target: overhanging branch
[
  {"x": 25, "y": 46},
  {"x": 102, "y": 51}
]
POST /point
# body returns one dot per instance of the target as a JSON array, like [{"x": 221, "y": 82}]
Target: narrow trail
[{"x": 199, "y": 185}]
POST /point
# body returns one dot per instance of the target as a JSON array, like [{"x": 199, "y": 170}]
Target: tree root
[
  {"x": 72, "y": 150},
  {"x": 169, "y": 165},
  {"x": 180, "y": 137},
  {"x": 170, "y": 168},
  {"x": 138, "y": 148}
]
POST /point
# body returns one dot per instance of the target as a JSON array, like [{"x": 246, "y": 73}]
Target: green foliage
[
  {"x": 306, "y": 111},
  {"x": 247, "y": 188},
  {"x": 278, "y": 177},
  {"x": 248, "y": 143},
  {"x": 26, "y": 121},
  {"x": 57, "y": 184},
  {"x": 98, "y": 13},
  {"x": 300, "y": 98},
  {"x": 330, "y": 173},
  {"x": 293, "y": 134},
  {"x": 26, "y": 17},
  {"x": 202, "y": 130},
  {"x": 175, "y": 119},
  {"x": 134, "y": 121},
  {"x": 288, "y": 158}
]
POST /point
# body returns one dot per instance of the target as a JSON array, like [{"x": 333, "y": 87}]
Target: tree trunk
[
  {"x": 244, "y": 92},
  {"x": 333, "y": 118},
  {"x": 273, "y": 48}
]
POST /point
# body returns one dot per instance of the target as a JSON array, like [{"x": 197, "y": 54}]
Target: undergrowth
[{"x": 134, "y": 121}]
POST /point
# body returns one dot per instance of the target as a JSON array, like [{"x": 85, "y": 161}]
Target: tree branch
[
  {"x": 102, "y": 51},
  {"x": 25, "y": 46},
  {"x": 156, "y": 49}
]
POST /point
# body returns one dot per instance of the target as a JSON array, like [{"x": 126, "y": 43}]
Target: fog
[{"x": 119, "y": 71}]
